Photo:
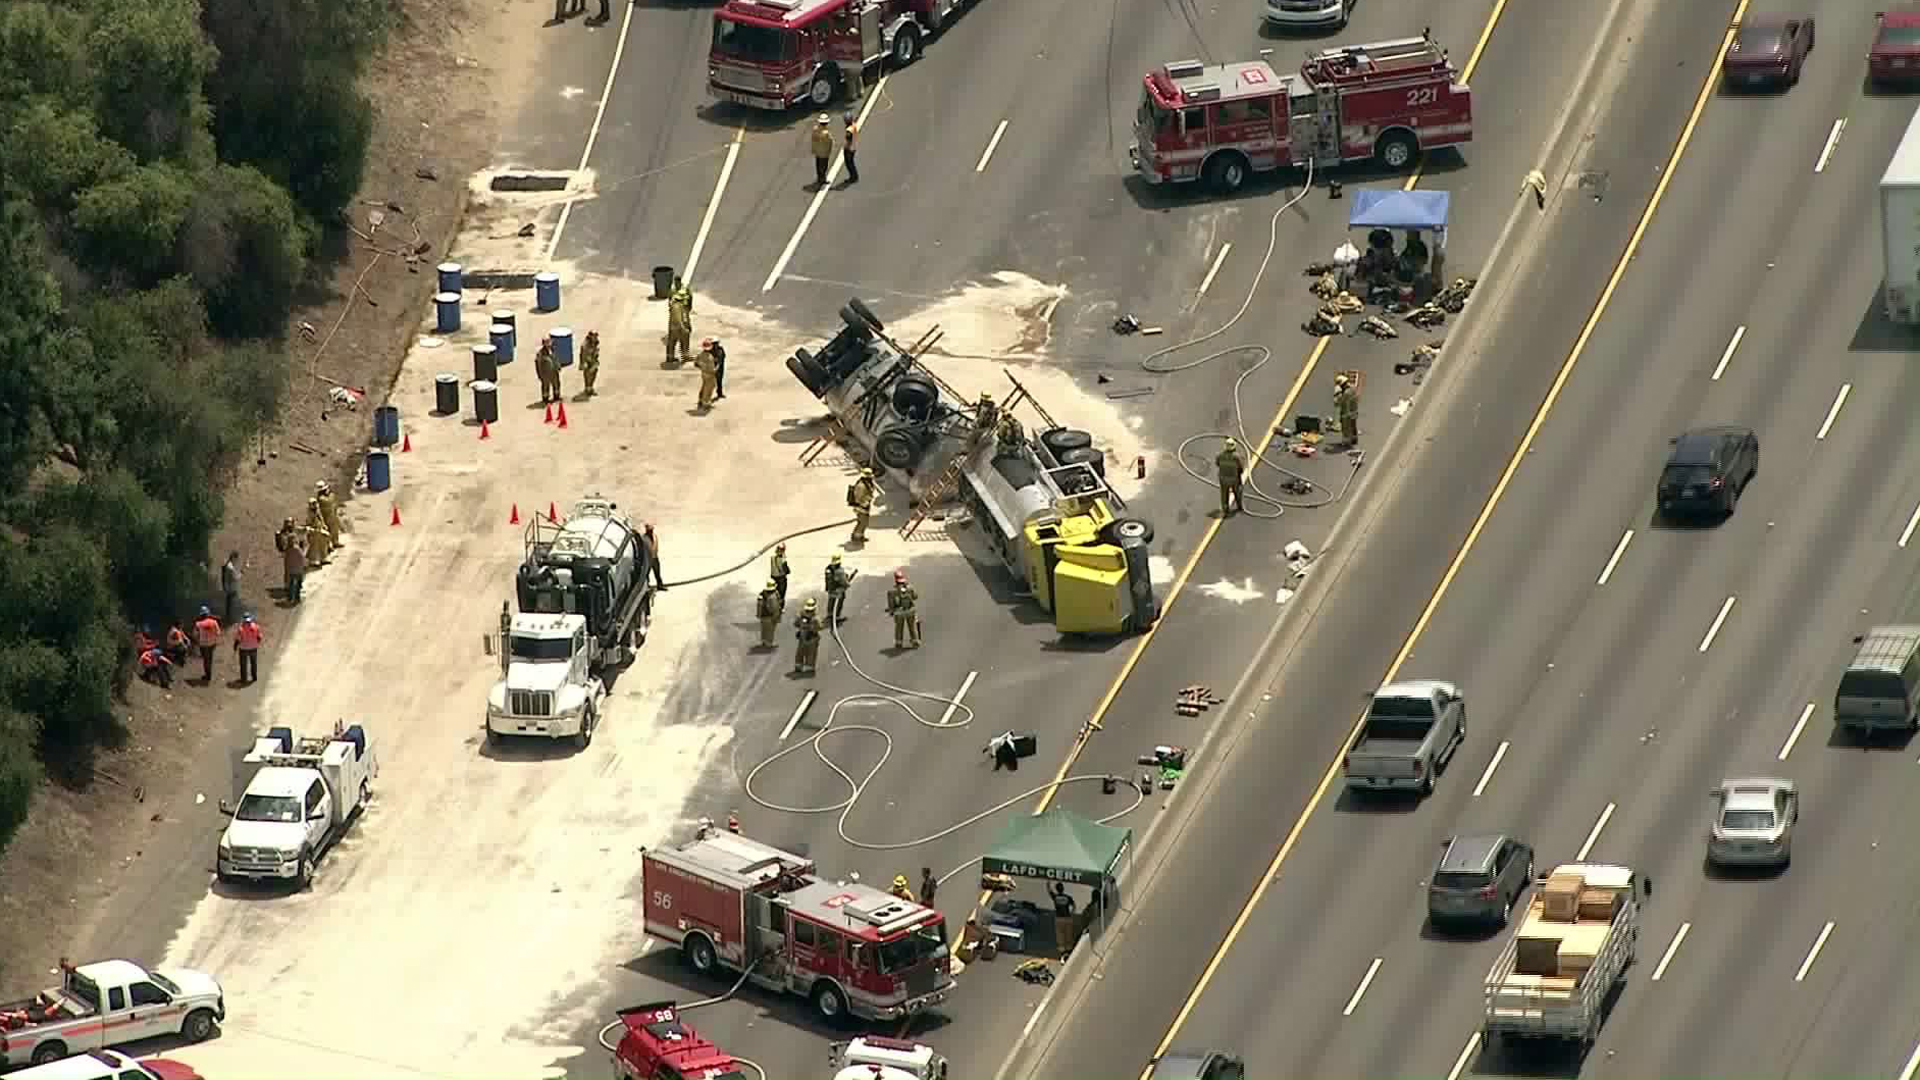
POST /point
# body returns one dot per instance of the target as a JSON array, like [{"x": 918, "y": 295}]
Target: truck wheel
[
  {"x": 48, "y": 1051},
  {"x": 914, "y": 397},
  {"x": 1426, "y": 783},
  {"x": 1061, "y": 440},
  {"x": 305, "y": 880},
  {"x": 828, "y": 1002},
  {"x": 808, "y": 371},
  {"x": 906, "y": 46},
  {"x": 896, "y": 449},
  {"x": 699, "y": 953},
  {"x": 585, "y": 738},
  {"x": 1227, "y": 173},
  {"x": 821, "y": 89},
  {"x": 861, "y": 309},
  {"x": 1396, "y": 150},
  {"x": 1132, "y": 530},
  {"x": 1088, "y": 456},
  {"x": 199, "y": 1025}
]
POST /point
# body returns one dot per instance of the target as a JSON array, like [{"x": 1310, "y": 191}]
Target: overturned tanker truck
[{"x": 1039, "y": 497}]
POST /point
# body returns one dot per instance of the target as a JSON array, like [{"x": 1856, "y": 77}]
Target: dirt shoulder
[{"x": 102, "y": 859}]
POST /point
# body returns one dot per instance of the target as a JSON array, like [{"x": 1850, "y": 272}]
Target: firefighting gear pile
[
  {"x": 1378, "y": 327},
  {"x": 1450, "y": 301},
  {"x": 1326, "y": 321},
  {"x": 1034, "y": 972},
  {"x": 1423, "y": 358}
]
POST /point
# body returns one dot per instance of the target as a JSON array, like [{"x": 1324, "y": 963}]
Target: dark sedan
[
  {"x": 1708, "y": 471},
  {"x": 1895, "y": 55},
  {"x": 1198, "y": 1065},
  {"x": 1768, "y": 50}
]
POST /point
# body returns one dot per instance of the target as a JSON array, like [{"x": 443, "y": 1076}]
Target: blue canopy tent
[{"x": 1423, "y": 210}]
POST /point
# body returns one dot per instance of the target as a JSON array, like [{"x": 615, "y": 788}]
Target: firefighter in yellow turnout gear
[
  {"x": 329, "y": 513},
  {"x": 1346, "y": 402},
  {"x": 861, "y": 497},
  {"x": 806, "y": 629},
  {"x": 590, "y": 360},
  {"x": 901, "y": 601},
  {"x": 767, "y": 608},
  {"x": 1233, "y": 473},
  {"x": 319, "y": 539},
  {"x": 679, "y": 321}
]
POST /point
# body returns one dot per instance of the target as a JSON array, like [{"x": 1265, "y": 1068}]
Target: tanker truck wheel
[
  {"x": 1131, "y": 529},
  {"x": 1061, "y": 440},
  {"x": 1088, "y": 456},
  {"x": 861, "y": 309},
  {"x": 585, "y": 738},
  {"x": 896, "y": 449}
]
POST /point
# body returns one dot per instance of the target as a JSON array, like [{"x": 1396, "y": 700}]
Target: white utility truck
[
  {"x": 1552, "y": 980},
  {"x": 1900, "y": 224},
  {"x": 302, "y": 797},
  {"x": 109, "y": 1003},
  {"x": 586, "y": 600},
  {"x": 875, "y": 1057}
]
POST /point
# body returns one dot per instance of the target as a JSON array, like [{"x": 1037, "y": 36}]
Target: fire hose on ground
[{"x": 1253, "y": 492}]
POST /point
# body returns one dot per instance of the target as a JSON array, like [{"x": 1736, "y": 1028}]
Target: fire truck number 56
[
  {"x": 662, "y": 900},
  {"x": 1426, "y": 95}
]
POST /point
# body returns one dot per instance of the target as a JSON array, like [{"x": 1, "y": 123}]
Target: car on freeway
[
  {"x": 1708, "y": 470},
  {"x": 1308, "y": 14},
  {"x": 1753, "y": 822},
  {"x": 1478, "y": 879},
  {"x": 1197, "y": 1065},
  {"x": 1894, "y": 55},
  {"x": 1768, "y": 50}
]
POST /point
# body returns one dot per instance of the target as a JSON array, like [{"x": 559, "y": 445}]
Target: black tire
[
  {"x": 896, "y": 449},
  {"x": 1227, "y": 172},
  {"x": 199, "y": 1026},
  {"x": 861, "y": 309},
  {"x": 906, "y": 46},
  {"x": 1396, "y": 150},
  {"x": 48, "y": 1051},
  {"x": 914, "y": 397},
  {"x": 306, "y": 871},
  {"x": 1060, "y": 440},
  {"x": 585, "y": 738},
  {"x": 830, "y": 1003},
  {"x": 1131, "y": 530},
  {"x": 808, "y": 373},
  {"x": 1087, "y": 455},
  {"x": 1426, "y": 783},
  {"x": 824, "y": 86},
  {"x": 699, "y": 953}
]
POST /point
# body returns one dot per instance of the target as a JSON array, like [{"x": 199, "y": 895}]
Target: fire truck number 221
[{"x": 1387, "y": 101}]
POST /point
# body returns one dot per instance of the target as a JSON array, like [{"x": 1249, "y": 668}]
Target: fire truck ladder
[
  {"x": 835, "y": 429},
  {"x": 950, "y": 476}
]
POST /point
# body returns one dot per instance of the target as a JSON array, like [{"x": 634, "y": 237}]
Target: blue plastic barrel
[
  {"x": 386, "y": 425},
  {"x": 502, "y": 337},
  {"x": 446, "y": 312},
  {"x": 504, "y": 317},
  {"x": 546, "y": 291},
  {"x": 450, "y": 277},
  {"x": 562, "y": 337},
  {"x": 379, "y": 471}
]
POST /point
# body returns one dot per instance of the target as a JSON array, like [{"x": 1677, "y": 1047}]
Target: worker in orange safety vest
[
  {"x": 206, "y": 635},
  {"x": 246, "y": 645}
]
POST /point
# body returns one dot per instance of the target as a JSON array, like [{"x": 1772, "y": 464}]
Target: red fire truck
[
  {"x": 734, "y": 903},
  {"x": 1387, "y": 101},
  {"x": 657, "y": 1046},
  {"x": 773, "y": 54}
]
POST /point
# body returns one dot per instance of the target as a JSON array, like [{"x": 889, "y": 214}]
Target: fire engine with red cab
[
  {"x": 658, "y": 1046},
  {"x": 774, "y": 54},
  {"x": 1386, "y": 101},
  {"x": 733, "y": 903}
]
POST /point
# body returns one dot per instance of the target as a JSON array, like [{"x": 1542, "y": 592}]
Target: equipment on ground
[
  {"x": 1900, "y": 225},
  {"x": 1553, "y": 979},
  {"x": 733, "y": 903},
  {"x": 585, "y": 595},
  {"x": 876, "y": 1057},
  {"x": 1040, "y": 498},
  {"x": 109, "y": 1003},
  {"x": 303, "y": 795},
  {"x": 1387, "y": 101},
  {"x": 657, "y": 1045},
  {"x": 774, "y": 54}
]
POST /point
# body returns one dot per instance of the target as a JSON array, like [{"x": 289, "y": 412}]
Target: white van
[
  {"x": 107, "y": 1065},
  {"x": 1880, "y": 690}
]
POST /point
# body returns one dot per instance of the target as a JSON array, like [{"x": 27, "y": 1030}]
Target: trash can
[
  {"x": 450, "y": 277},
  {"x": 446, "y": 393},
  {"x": 486, "y": 366},
  {"x": 486, "y": 402},
  {"x": 379, "y": 471},
  {"x": 546, "y": 291},
  {"x": 446, "y": 312},
  {"x": 501, "y": 335},
  {"x": 386, "y": 425},
  {"x": 662, "y": 282},
  {"x": 562, "y": 338}
]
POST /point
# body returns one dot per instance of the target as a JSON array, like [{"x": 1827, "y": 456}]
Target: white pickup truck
[
  {"x": 875, "y": 1057},
  {"x": 1552, "y": 980},
  {"x": 1411, "y": 732},
  {"x": 301, "y": 799},
  {"x": 109, "y": 1003}
]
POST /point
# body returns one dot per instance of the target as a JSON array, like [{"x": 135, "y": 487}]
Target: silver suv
[
  {"x": 1753, "y": 822},
  {"x": 1478, "y": 879}
]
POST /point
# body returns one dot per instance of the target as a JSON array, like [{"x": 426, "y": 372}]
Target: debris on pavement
[
  {"x": 1378, "y": 327},
  {"x": 1035, "y": 972},
  {"x": 1400, "y": 408},
  {"x": 1193, "y": 700},
  {"x": 1423, "y": 358},
  {"x": 1126, "y": 324}
]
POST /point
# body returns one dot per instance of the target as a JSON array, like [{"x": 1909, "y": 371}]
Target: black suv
[{"x": 1708, "y": 470}]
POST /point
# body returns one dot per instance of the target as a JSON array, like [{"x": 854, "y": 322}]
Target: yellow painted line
[{"x": 1332, "y": 774}]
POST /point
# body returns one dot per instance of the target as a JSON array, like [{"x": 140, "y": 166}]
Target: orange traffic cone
[
  {"x": 514, "y": 518},
  {"x": 551, "y": 516},
  {"x": 548, "y": 419},
  {"x": 396, "y": 515},
  {"x": 406, "y": 444},
  {"x": 563, "y": 414},
  {"x": 483, "y": 430}
]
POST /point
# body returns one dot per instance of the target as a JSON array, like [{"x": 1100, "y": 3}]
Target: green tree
[
  {"x": 245, "y": 246},
  {"x": 54, "y": 152},
  {"x": 151, "y": 61},
  {"x": 27, "y": 319},
  {"x": 128, "y": 225}
]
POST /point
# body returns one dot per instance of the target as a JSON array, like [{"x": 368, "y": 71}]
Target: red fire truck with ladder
[
  {"x": 732, "y": 903},
  {"x": 774, "y": 54},
  {"x": 1387, "y": 101}
]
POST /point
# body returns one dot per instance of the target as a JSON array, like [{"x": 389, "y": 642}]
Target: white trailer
[
  {"x": 1553, "y": 979},
  {"x": 1900, "y": 224}
]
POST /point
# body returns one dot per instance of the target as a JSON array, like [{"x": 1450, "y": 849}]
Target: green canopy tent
[{"x": 1060, "y": 845}]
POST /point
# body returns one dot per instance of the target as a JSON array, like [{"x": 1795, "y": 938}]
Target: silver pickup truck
[{"x": 1411, "y": 731}]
